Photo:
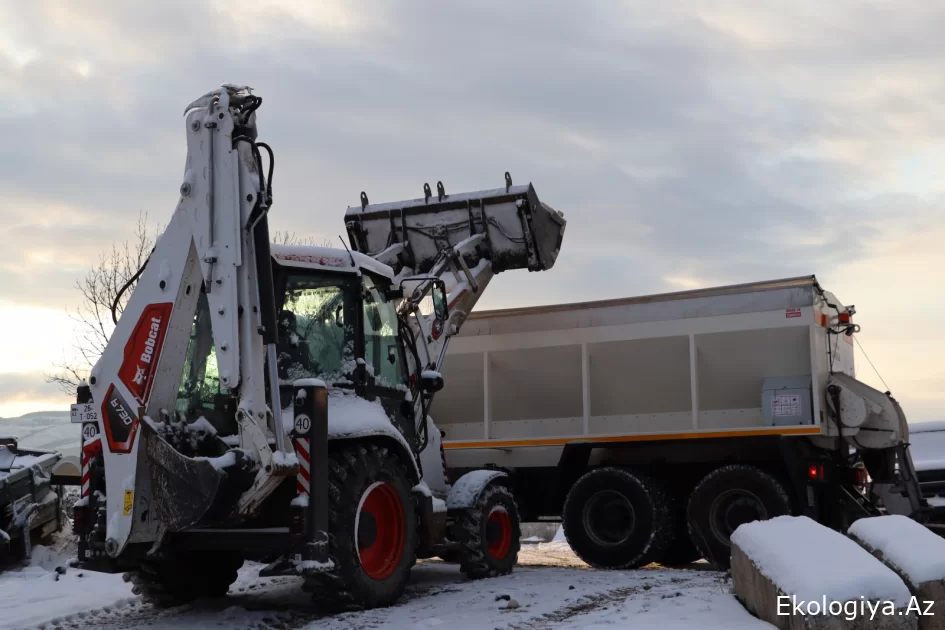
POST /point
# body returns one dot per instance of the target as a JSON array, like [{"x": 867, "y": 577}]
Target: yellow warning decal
[{"x": 129, "y": 501}]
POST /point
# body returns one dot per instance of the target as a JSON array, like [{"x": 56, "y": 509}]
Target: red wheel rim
[
  {"x": 499, "y": 533},
  {"x": 380, "y": 529}
]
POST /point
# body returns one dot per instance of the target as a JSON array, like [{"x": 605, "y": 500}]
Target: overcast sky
[{"x": 689, "y": 144}]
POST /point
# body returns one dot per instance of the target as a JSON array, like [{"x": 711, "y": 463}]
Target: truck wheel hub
[
  {"x": 733, "y": 508},
  {"x": 609, "y": 518},
  {"x": 381, "y": 530}
]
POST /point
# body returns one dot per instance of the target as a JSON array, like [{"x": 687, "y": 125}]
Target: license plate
[{"x": 85, "y": 412}]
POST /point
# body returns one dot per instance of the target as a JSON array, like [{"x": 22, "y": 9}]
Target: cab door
[{"x": 386, "y": 376}]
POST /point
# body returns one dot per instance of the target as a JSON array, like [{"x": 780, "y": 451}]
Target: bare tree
[
  {"x": 100, "y": 288},
  {"x": 291, "y": 238},
  {"x": 98, "y": 291}
]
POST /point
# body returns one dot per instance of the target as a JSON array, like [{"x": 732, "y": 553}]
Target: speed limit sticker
[
  {"x": 89, "y": 431},
  {"x": 302, "y": 423}
]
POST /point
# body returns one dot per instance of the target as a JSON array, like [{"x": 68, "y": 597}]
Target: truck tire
[
  {"x": 681, "y": 551},
  {"x": 726, "y": 498},
  {"x": 182, "y": 578},
  {"x": 615, "y": 519},
  {"x": 490, "y": 533},
  {"x": 372, "y": 530}
]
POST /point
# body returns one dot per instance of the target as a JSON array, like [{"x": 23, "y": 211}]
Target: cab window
[{"x": 382, "y": 349}]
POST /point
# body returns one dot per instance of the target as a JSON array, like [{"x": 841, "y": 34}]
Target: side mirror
[
  {"x": 440, "y": 305},
  {"x": 431, "y": 382}
]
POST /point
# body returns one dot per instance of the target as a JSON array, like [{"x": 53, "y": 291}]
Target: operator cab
[{"x": 337, "y": 321}]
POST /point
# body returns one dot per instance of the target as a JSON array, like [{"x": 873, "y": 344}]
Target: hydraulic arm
[{"x": 216, "y": 244}]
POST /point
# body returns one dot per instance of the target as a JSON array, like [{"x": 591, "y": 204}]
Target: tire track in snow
[{"x": 596, "y": 601}]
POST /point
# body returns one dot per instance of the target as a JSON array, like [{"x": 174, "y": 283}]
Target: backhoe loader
[{"x": 269, "y": 403}]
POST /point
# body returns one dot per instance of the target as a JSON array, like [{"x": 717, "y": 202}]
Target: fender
[
  {"x": 391, "y": 438},
  {"x": 465, "y": 492}
]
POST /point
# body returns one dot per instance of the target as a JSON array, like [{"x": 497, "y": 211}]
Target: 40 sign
[
  {"x": 89, "y": 431},
  {"x": 302, "y": 424}
]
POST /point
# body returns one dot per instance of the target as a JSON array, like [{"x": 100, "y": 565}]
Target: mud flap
[{"x": 186, "y": 491}]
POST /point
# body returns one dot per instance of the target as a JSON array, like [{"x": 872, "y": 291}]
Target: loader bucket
[
  {"x": 518, "y": 231},
  {"x": 185, "y": 491}
]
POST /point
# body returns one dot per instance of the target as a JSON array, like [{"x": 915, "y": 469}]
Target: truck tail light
[
  {"x": 861, "y": 477},
  {"x": 815, "y": 472},
  {"x": 845, "y": 317}
]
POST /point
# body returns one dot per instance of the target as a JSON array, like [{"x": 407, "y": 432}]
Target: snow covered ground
[
  {"x": 552, "y": 587},
  {"x": 44, "y": 430}
]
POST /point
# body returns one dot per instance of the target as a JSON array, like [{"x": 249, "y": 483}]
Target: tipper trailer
[{"x": 654, "y": 426}]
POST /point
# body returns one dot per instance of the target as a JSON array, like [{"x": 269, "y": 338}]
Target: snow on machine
[
  {"x": 29, "y": 503},
  {"x": 270, "y": 402}
]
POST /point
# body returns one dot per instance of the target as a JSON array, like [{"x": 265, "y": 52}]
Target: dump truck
[
  {"x": 654, "y": 426},
  {"x": 269, "y": 402},
  {"x": 30, "y": 506}
]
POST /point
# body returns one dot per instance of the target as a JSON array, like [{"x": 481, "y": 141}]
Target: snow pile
[
  {"x": 558, "y": 544},
  {"x": 918, "y": 553},
  {"x": 811, "y": 561},
  {"x": 48, "y": 589},
  {"x": 559, "y": 535},
  {"x": 284, "y": 460},
  {"x": 927, "y": 445}
]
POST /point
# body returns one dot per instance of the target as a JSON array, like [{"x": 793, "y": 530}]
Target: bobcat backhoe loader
[{"x": 270, "y": 402}]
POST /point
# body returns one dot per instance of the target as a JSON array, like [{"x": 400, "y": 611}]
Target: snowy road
[{"x": 552, "y": 587}]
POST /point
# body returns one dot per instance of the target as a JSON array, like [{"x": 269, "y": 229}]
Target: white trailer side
[
  {"x": 670, "y": 387},
  {"x": 680, "y": 365}
]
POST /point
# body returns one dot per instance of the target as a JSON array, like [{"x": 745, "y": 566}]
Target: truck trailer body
[{"x": 711, "y": 407}]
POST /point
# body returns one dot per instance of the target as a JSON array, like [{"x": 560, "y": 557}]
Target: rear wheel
[
  {"x": 490, "y": 534},
  {"x": 726, "y": 498},
  {"x": 182, "y": 578},
  {"x": 372, "y": 530},
  {"x": 615, "y": 519}
]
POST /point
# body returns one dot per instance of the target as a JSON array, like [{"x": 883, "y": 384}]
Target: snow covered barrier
[
  {"x": 797, "y": 574},
  {"x": 916, "y": 554}
]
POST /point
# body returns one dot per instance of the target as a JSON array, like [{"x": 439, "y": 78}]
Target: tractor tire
[
  {"x": 681, "y": 551},
  {"x": 615, "y": 519},
  {"x": 180, "y": 579},
  {"x": 372, "y": 530},
  {"x": 490, "y": 534},
  {"x": 726, "y": 498}
]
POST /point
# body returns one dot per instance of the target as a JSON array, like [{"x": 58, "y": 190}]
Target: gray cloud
[{"x": 715, "y": 142}]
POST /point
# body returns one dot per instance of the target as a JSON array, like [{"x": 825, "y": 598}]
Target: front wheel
[
  {"x": 615, "y": 519},
  {"x": 490, "y": 534},
  {"x": 372, "y": 530}
]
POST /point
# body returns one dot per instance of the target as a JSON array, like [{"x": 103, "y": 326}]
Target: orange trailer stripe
[{"x": 649, "y": 437}]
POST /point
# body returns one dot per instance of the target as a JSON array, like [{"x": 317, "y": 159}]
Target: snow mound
[
  {"x": 927, "y": 446},
  {"x": 914, "y": 549},
  {"x": 559, "y": 535},
  {"x": 811, "y": 561}
]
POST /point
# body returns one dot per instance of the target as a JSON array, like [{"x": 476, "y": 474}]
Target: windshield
[{"x": 316, "y": 330}]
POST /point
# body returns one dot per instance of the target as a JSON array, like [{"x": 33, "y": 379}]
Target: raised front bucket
[{"x": 518, "y": 230}]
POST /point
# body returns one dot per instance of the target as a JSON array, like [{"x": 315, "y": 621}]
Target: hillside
[{"x": 44, "y": 430}]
